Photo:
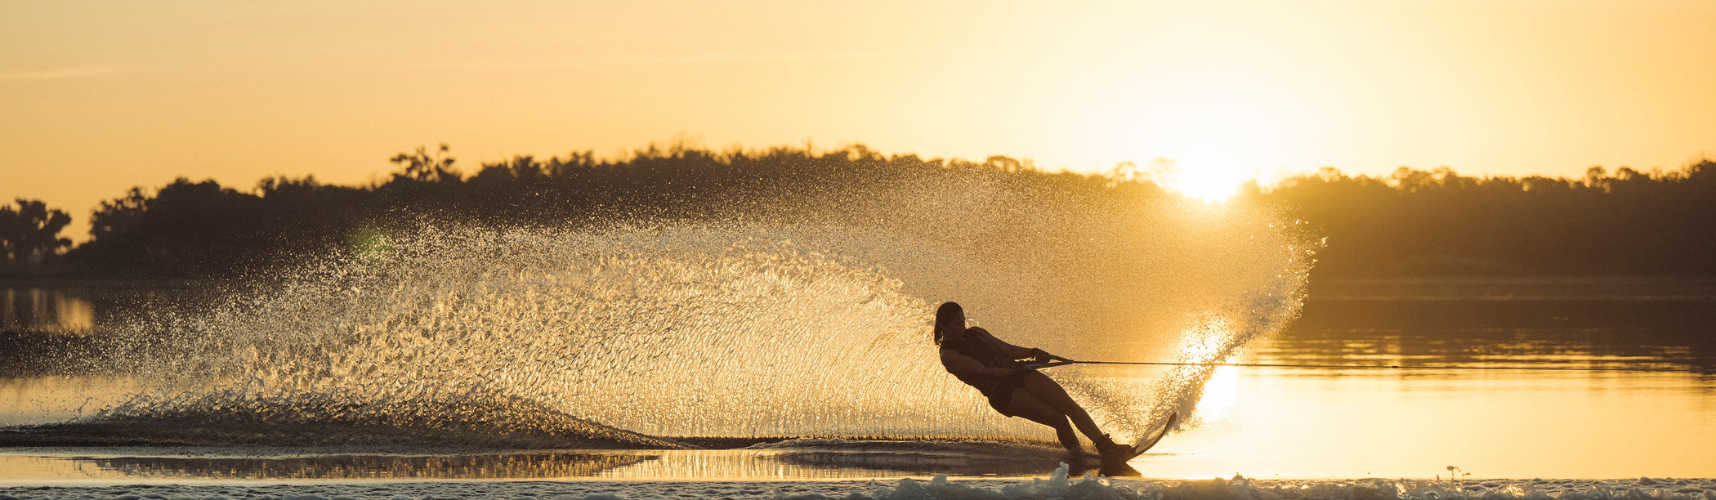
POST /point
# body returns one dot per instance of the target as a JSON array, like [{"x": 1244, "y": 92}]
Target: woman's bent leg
[
  {"x": 1028, "y": 407},
  {"x": 1048, "y": 391}
]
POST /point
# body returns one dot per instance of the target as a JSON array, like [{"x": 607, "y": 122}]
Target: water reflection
[
  {"x": 1582, "y": 326},
  {"x": 1296, "y": 423},
  {"x": 45, "y": 309},
  {"x": 1290, "y": 423},
  {"x": 1319, "y": 423},
  {"x": 1505, "y": 350}
]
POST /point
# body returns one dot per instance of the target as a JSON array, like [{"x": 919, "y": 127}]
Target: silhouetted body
[{"x": 992, "y": 366}]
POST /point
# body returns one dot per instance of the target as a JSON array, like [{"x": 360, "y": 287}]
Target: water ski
[{"x": 1148, "y": 442}]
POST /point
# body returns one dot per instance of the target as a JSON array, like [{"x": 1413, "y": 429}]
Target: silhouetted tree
[
  {"x": 30, "y": 232},
  {"x": 1437, "y": 222}
]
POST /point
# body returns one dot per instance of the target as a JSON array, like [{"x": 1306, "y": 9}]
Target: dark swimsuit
[{"x": 999, "y": 390}]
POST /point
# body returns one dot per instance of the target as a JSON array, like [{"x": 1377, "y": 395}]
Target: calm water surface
[{"x": 1517, "y": 424}]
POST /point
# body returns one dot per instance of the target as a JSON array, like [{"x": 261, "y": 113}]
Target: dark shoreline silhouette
[{"x": 1411, "y": 223}]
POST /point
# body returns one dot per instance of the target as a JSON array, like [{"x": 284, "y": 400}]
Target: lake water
[
  {"x": 1259, "y": 422},
  {"x": 46, "y": 309}
]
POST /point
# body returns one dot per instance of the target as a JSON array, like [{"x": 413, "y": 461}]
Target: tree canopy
[
  {"x": 1437, "y": 222},
  {"x": 30, "y": 232}
]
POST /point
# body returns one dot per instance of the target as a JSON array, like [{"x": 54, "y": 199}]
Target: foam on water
[{"x": 813, "y": 324}]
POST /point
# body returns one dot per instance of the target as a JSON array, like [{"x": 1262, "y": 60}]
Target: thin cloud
[
  {"x": 718, "y": 58},
  {"x": 66, "y": 73},
  {"x": 637, "y": 60}
]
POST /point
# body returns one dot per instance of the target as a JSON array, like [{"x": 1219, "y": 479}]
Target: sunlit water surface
[{"x": 1258, "y": 422}]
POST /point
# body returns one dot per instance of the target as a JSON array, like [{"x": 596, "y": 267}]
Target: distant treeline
[
  {"x": 1418, "y": 223},
  {"x": 1410, "y": 223}
]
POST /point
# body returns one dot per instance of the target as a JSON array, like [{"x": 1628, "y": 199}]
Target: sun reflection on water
[{"x": 1220, "y": 394}]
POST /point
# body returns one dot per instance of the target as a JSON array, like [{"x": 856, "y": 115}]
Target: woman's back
[{"x": 974, "y": 346}]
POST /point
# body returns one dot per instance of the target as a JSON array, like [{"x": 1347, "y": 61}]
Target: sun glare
[
  {"x": 1212, "y": 182},
  {"x": 1210, "y": 148}
]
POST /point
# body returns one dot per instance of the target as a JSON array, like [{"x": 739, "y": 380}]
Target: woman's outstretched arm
[
  {"x": 962, "y": 365},
  {"x": 1011, "y": 350}
]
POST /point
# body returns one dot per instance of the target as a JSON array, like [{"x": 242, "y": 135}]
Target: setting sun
[
  {"x": 1210, "y": 147},
  {"x": 1210, "y": 181}
]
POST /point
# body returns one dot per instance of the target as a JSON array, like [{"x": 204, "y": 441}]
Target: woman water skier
[{"x": 982, "y": 361}]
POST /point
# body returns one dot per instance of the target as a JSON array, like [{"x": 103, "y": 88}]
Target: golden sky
[{"x": 98, "y": 96}]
